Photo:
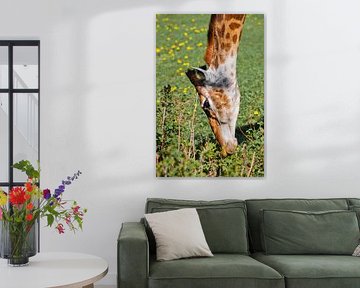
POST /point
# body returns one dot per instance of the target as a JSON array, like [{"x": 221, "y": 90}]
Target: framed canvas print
[{"x": 210, "y": 95}]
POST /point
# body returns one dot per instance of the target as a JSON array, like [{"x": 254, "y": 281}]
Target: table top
[{"x": 55, "y": 269}]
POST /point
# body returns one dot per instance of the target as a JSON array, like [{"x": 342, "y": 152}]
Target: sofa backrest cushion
[
  {"x": 255, "y": 206},
  {"x": 298, "y": 232},
  {"x": 224, "y": 222}
]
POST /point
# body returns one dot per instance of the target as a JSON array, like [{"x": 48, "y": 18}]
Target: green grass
[{"x": 185, "y": 144}]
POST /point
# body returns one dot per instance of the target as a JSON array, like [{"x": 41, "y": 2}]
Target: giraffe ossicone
[{"x": 216, "y": 83}]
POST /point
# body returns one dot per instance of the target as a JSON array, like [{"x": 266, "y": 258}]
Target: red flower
[
  {"x": 60, "y": 228},
  {"x": 17, "y": 196},
  {"x": 27, "y": 196},
  {"x": 29, "y": 217},
  {"x": 29, "y": 187},
  {"x": 29, "y": 206}
]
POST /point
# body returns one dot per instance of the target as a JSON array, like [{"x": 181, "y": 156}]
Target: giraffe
[{"x": 216, "y": 83}]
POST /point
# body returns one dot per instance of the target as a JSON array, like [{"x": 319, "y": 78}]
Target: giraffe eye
[{"x": 206, "y": 104}]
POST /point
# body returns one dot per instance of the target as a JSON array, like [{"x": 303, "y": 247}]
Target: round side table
[{"x": 50, "y": 270}]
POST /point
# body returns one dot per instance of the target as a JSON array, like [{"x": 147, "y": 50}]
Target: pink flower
[
  {"x": 76, "y": 210},
  {"x": 60, "y": 228}
]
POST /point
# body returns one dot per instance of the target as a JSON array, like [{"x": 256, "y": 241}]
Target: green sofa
[{"x": 260, "y": 243}]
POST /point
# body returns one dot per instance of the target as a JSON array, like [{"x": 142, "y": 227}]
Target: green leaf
[
  {"x": 28, "y": 168},
  {"x": 50, "y": 219}
]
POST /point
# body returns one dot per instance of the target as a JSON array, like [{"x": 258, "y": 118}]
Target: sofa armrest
[{"x": 133, "y": 256}]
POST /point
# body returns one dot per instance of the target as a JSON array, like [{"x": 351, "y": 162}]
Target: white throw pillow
[
  {"x": 357, "y": 251},
  {"x": 178, "y": 234}
]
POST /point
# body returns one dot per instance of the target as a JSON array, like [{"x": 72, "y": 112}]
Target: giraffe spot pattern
[{"x": 234, "y": 25}]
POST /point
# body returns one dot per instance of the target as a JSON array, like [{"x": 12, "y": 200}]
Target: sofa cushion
[
  {"x": 222, "y": 270},
  {"x": 254, "y": 207},
  {"x": 223, "y": 221},
  {"x": 353, "y": 201},
  {"x": 356, "y": 209},
  {"x": 298, "y": 232},
  {"x": 315, "y": 271},
  {"x": 178, "y": 234}
]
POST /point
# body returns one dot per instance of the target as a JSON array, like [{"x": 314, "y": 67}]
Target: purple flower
[
  {"x": 57, "y": 193},
  {"x": 68, "y": 181},
  {"x": 46, "y": 194}
]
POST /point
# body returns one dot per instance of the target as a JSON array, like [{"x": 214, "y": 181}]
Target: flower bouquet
[{"x": 21, "y": 208}]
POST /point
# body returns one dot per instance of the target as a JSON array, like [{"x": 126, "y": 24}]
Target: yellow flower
[
  {"x": 179, "y": 61},
  {"x": 189, "y": 48},
  {"x": 199, "y": 44},
  {"x": 173, "y": 88},
  {"x": 256, "y": 113},
  {"x": 3, "y": 198},
  {"x": 158, "y": 50}
]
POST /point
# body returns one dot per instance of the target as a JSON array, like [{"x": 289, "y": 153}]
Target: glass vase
[{"x": 18, "y": 242}]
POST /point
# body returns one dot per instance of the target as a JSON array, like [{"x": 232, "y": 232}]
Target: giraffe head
[
  {"x": 216, "y": 84},
  {"x": 219, "y": 98}
]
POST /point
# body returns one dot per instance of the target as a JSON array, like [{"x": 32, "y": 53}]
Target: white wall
[{"x": 98, "y": 105}]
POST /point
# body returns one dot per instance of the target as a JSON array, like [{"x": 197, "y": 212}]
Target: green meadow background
[{"x": 185, "y": 144}]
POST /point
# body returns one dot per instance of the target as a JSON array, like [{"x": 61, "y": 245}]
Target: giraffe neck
[{"x": 223, "y": 41}]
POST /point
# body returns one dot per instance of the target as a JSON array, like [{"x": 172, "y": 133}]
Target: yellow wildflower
[
  {"x": 3, "y": 198},
  {"x": 158, "y": 50},
  {"x": 173, "y": 88},
  {"x": 256, "y": 113},
  {"x": 199, "y": 44},
  {"x": 189, "y": 48},
  {"x": 179, "y": 61}
]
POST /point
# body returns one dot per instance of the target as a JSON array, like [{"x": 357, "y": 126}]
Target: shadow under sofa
[{"x": 232, "y": 229}]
